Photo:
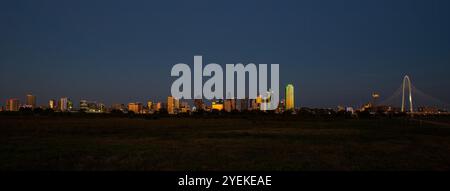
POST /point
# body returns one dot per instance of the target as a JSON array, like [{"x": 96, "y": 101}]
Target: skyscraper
[
  {"x": 52, "y": 104},
  {"x": 170, "y": 105},
  {"x": 63, "y": 104},
  {"x": 31, "y": 101},
  {"x": 12, "y": 105},
  {"x": 290, "y": 97}
]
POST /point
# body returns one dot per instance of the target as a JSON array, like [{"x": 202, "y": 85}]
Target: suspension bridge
[{"x": 410, "y": 99}]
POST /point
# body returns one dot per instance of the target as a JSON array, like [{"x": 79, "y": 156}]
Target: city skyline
[{"x": 286, "y": 104}]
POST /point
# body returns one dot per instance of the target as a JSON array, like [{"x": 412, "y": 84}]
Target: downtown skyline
[{"x": 67, "y": 104}]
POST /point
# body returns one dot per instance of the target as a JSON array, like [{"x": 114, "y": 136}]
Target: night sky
[{"x": 334, "y": 52}]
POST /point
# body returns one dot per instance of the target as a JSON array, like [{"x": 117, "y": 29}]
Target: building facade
[
  {"x": 12, "y": 105},
  {"x": 290, "y": 106},
  {"x": 31, "y": 101}
]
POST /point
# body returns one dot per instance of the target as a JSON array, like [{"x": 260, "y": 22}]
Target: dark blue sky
[{"x": 334, "y": 52}]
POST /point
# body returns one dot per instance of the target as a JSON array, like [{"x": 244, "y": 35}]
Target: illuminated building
[
  {"x": 92, "y": 107},
  {"x": 290, "y": 97},
  {"x": 149, "y": 104},
  {"x": 63, "y": 104},
  {"x": 52, "y": 104},
  {"x": 157, "y": 106},
  {"x": 101, "y": 108},
  {"x": 428, "y": 110},
  {"x": 84, "y": 105},
  {"x": 31, "y": 101},
  {"x": 259, "y": 99},
  {"x": 12, "y": 105},
  {"x": 69, "y": 105},
  {"x": 135, "y": 107},
  {"x": 217, "y": 105},
  {"x": 350, "y": 110},
  {"x": 171, "y": 105}
]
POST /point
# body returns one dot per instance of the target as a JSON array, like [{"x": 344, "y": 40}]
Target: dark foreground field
[{"x": 76, "y": 143}]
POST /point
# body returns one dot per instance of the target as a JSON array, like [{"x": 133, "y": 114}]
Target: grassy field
[{"x": 114, "y": 143}]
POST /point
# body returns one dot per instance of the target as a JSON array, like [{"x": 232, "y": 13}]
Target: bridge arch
[{"x": 407, "y": 82}]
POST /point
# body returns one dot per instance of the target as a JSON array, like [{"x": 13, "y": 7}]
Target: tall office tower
[
  {"x": 63, "y": 104},
  {"x": 170, "y": 105},
  {"x": 12, "y": 105},
  {"x": 31, "y": 101},
  {"x": 290, "y": 98},
  {"x": 52, "y": 104},
  {"x": 135, "y": 107}
]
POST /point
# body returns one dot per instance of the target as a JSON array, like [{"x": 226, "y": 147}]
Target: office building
[
  {"x": 171, "y": 105},
  {"x": 31, "y": 101},
  {"x": 84, "y": 105},
  {"x": 52, "y": 104},
  {"x": 12, "y": 105},
  {"x": 135, "y": 107},
  {"x": 290, "y": 98},
  {"x": 63, "y": 104},
  {"x": 157, "y": 106}
]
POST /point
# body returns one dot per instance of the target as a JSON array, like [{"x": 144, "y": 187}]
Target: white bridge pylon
[{"x": 407, "y": 82}]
